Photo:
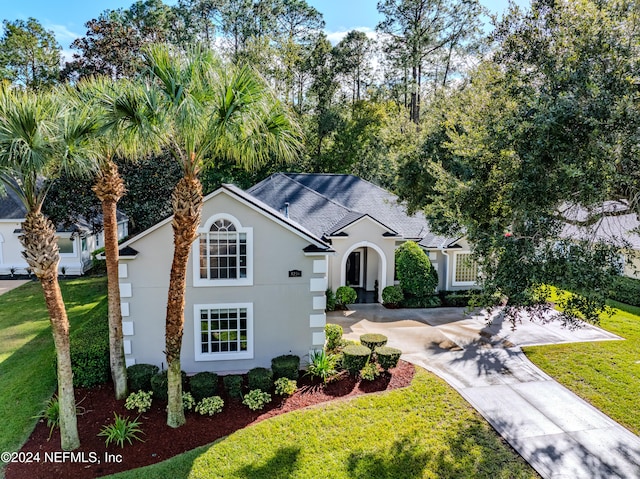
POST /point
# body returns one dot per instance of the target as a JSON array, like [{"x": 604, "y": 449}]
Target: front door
[{"x": 353, "y": 269}]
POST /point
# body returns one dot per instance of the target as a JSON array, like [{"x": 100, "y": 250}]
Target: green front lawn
[
  {"x": 27, "y": 357},
  {"x": 424, "y": 431},
  {"x": 606, "y": 373}
]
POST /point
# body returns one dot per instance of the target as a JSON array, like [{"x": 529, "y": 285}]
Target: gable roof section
[
  {"x": 327, "y": 203},
  {"x": 317, "y": 243},
  {"x": 11, "y": 208}
]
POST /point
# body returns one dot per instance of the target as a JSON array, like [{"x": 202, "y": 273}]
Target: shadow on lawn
[{"x": 282, "y": 465}]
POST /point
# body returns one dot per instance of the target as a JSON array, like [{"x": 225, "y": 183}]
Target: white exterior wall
[
  {"x": 288, "y": 318},
  {"x": 10, "y": 248}
]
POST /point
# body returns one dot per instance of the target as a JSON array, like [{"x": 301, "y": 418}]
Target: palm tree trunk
[
  {"x": 109, "y": 188},
  {"x": 187, "y": 206},
  {"x": 41, "y": 253}
]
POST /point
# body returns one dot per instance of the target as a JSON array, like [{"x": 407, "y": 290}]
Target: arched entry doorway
[{"x": 363, "y": 267}]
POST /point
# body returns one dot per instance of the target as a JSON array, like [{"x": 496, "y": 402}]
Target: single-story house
[
  {"x": 76, "y": 241},
  {"x": 258, "y": 273}
]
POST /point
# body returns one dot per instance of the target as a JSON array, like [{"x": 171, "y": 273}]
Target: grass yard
[
  {"x": 607, "y": 373},
  {"x": 27, "y": 356},
  {"x": 424, "y": 431}
]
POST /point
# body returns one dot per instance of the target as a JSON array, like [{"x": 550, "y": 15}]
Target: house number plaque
[{"x": 295, "y": 273}]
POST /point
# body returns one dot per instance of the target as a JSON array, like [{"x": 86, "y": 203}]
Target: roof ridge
[{"x": 312, "y": 190}]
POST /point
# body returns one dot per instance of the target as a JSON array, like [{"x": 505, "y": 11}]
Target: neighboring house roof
[
  {"x": 327, "y": 203},
  {"x": 11, "y": 208},
  {"x": 618, "y": 225},
  {"x": 317, "y": 244}
]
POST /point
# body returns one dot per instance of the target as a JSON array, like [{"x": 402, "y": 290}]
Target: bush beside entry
[
  {"x": 346, "y": 295},
  {"x": 418, "y": 278}
]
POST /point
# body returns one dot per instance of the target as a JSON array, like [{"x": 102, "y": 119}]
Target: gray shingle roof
[
  {"x": 325, "y": 203},
  {"x": 623, "y": 230},
  {"x": 11, "y": 208}
]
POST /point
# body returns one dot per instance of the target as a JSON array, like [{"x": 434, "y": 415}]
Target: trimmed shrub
[
  {"x": 346, "y": 295},
  {"x": 286, "y": 366},
  {"x": 331, "y": 300},
  {"x": 370, "y": 371},
  {"x": 188, "y": 402},
  {"x": 260, "y": 378},
  {"x": 210, "y": 406},
  {"x": 387, "y": 357},
  {"x": 203, "y": 385},
  {"x": 392, "y": 295},
  {"x": 626, "y": 290},
  {"x": 256, "y": 399},
  {"x": 416, "y": 273},
  {"x": 89, "y": 348},
  {"x": 456, "y": 298},
  {"x": 373, "y": 340},
  {"x": 285, "y": 387},
  {"x": 139, "y": 376},
  {"x": 333, "y": 333},
  {"x": 233, "y": 385},
  {"x": 431, "y": 301},
  {"x": 160, "y": 383},
  {"x": 354, "y": 358}
]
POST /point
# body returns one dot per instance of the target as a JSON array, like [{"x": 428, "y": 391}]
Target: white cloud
[
  {"x": 62, "y": 34},
  {"x": 335, "y": 37}
]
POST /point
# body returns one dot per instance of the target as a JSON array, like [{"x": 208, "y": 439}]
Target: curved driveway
[{"x": 558, "y": 433}]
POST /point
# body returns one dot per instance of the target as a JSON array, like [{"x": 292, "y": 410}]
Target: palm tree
[
  {"x": 213, "y": 111},
  {"x": 124, "y": 114},
  {"x": 39, "y": 137}
]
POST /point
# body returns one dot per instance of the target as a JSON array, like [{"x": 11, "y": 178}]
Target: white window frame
[
  {"x": 195, "y": 249},
  {"x": 73, "y": 244},
  {"x": 455, "y": 267},
  {"x": 222, "y": 356}
]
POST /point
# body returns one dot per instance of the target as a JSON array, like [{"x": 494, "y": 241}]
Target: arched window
[{"x": 224, "y": 253}]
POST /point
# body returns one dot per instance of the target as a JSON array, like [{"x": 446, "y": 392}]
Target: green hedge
[
  {"x": 346, "y": 295},
  {"x": 625, "y": 290},
  {"x": 233, "y": 385},
  {"x": 286, "y": 366},
  {"x": 333, "y": 333},
  {"x": 456, "y": 298},
  {"x": 260, "y": 378},
  {"x": 160, "y": 383},
  {"x": 392, "y": 295},
  {"x": 203, "y": 385},
  {"x": 431, "y": 301},
  {"x": 387, "y": 357},
  {"x": 89, "y": 347},
  {"x": 373, "y": 340},
  {"x": 354, "y": 358},
  {"x": 139, "y": 376},
  {"x": 416, "y": 273}
]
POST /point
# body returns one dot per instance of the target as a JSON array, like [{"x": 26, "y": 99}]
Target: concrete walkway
[
  {"x": 555, "y": 431},
  {"x": 9, "y": 284}
]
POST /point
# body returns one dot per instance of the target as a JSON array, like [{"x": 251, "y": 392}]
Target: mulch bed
[{"x": 162, "y": 442}]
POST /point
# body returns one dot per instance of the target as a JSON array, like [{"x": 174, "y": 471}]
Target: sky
[{"x": 66, "y": 18}]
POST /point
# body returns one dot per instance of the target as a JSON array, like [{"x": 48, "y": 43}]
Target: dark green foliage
[
  {"x": 373, "y": 340},
  {"x": 233, "y": 385},
  {"x": 354, "y": 358},
  {"x": 346, "y": 295},
  {"x": 331, "y": 299},
  {"x": 431, "y": 301},
  {"x": 416, "y": 274},
  {"x": 456, "y": 298},
  {"x": 387, "y": 357},
  {"x": 626, "y": 290},
  {"x": 392, "y": 295},
  {"x": 90, "y": 353},
  {"x": 139, "y": 376},
  {"x": 286, "y": 366},
  {"x": 322, "y": 365},
  {"x": 333, "y": 333},
  {"x": 159, "y": 385},
  {"x": 204, "y": 384},
  {"x": 260, "y": 378}
]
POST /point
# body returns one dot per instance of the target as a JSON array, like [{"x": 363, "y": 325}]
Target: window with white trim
[
  {"x": 223, "y": 331},
  {"x": 466, "y": 270},
  {"x": 66, "y": 246},
  {"x": 224, "y": 253}
]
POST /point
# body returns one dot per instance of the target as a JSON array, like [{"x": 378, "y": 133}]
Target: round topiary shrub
[
  {"x": 160, "y": 383},
  {"x": 139, "y": 376},
  {"x": 286, "y": 366},
  {"x": 260, "y": 378},
  {"x": 346, "y": 295},
  {"x": 233, "y": 385},
  {"x": 203, "y": 385},
  {"x": 354, "y": 358},
  {"x": 373, "y": 340},
  {"x": 392, "y": 295},
  {"x": 416, "y": 273},
  {"x": 387, "y": 357},
  {"x": 333, "y": 333}
]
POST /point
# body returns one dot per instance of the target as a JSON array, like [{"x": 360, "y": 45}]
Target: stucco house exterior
[
  {"x": 76, "y": 242},
  {"x": 258, "y": 273}
]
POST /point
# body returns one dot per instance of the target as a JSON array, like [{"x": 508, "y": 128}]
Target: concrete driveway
[
  {"x": 9, "y": 284},
  {"x": 559, "y": 434}
]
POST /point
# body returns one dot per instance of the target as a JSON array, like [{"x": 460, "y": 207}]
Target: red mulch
[{"x": 162, "y": 442}]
